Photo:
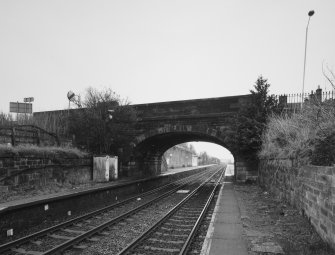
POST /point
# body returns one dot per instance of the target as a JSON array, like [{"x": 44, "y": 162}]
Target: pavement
[{"x": 225, "y": 233}]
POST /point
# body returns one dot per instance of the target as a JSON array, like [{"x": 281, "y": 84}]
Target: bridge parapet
[{"x": 189, "y": 108}]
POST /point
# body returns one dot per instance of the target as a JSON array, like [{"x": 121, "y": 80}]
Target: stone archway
[{"x": 150, "y": 146}]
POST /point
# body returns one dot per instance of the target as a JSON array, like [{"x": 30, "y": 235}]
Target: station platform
[
  {"x": 225, "y": 235},
  {"x": 122, "y": 181}
]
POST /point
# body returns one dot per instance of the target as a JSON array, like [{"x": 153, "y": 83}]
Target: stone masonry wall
[
  {"x": 310, "y": 188},
  {"x": 39, "y": 171}
]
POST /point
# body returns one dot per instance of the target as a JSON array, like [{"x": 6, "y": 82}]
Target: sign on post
[
  {"x": 20, "y": 107},
  {"x": 28, "y": 99}
]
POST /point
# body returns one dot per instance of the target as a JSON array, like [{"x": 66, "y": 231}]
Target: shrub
[{"x": 308, "y": 135}]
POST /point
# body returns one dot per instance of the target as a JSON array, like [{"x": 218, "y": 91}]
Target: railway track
[
  {"x": 174, "y": 233},
  {"x": 71, "y": 234}
]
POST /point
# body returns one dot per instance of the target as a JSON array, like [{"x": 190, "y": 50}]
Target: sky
[{"x": 160, "y": 50}]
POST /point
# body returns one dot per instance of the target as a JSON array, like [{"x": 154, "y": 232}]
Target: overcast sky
[{"x": 152, "y": 51}]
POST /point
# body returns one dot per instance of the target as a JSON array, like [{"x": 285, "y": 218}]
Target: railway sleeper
[
  {"x": 93, "y": 239},
  {"x": 23, "y": 251},
  {"x": 61, "y": 237},
  {"x": 80, "y": 247},
  {"x": 177, "y": 230},
  {"x": 73, "y": 231},
  {"x": 159, "y": 249},
  {"x": 154, "y": 240},
  {"x": 175, "y": 235},
  {"x": 36, "y": 242},
  {"x": 181, "y": 217},
  {"x": 179, "y": 225}
]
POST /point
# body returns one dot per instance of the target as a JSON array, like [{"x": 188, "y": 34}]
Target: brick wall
[
  {"x": 310, "y": 188},
  {"x": 39, "y": 171}
]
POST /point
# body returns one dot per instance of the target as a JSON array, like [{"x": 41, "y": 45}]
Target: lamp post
[
  {"x": 310, "y": 14},
  {"x": 70, "y": 96}
]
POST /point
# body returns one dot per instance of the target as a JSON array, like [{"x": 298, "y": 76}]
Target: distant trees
[
  {"x": 6, "y": 119},
  {"x": 101, "y": 122},
  {"x": 205, "y": 159}
]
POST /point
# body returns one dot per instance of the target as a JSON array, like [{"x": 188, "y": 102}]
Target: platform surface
[{"x": 225, "y": 235}]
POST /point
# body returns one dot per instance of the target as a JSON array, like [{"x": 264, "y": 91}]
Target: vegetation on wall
[
  {"x": 307, "y": 135},
  {"x": 38, "y": 151}
]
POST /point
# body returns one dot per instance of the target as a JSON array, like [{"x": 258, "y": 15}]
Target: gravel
[{"x": 120, "y": 234}]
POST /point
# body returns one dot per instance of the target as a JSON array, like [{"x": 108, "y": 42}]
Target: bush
[{"x": 308, "y": 135}]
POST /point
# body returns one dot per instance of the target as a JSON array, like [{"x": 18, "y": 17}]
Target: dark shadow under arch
[{"x": 148, "y": 153}]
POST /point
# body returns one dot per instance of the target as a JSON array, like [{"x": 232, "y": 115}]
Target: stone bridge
[{"x": 163, "y": 125}]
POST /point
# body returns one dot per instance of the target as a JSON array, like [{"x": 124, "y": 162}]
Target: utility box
[{"x": 105, "y": 168}]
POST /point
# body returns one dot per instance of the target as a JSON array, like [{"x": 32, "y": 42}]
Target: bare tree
[
  {"x": 329, "y": 75},
  {"x": 101, "y": 124}
]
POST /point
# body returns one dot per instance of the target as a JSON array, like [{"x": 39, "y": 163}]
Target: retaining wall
[
  {"x": 310, "y": 188},
  {"x": 39, "y": 171}
]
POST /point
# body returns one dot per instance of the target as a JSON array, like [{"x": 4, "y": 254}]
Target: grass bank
[{"x": 37, "y": 151}]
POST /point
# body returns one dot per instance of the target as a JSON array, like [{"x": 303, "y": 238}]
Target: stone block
[
  {"x": 324, "y": 211},
  {"x": 311, "y": 197},
  {"x": 329, "y": 170},
  {"x": 328, "y": 206},
  {"x": 324, "y": 228},
  {"x": 316, "y": 192},
  {"x": 332, "y": 218},
  {"x": 314, "y": 222},
  {"x": 3, "y": 172},
  {"x": 321, "y": 178},
  {"x": 8, "y": 162}
]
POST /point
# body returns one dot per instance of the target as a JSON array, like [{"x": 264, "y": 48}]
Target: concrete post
[{"x": 318, "y": 94}]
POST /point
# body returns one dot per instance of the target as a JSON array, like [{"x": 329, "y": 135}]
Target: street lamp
[
  {"x": 310, "y": 14},
  {"x": 70, "y": 96}
]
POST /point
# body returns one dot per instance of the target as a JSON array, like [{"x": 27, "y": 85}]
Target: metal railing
[{"x": 294, "y": 102}]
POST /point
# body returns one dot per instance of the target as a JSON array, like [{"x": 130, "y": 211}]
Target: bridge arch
[{"x": 150, "y": 146}]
